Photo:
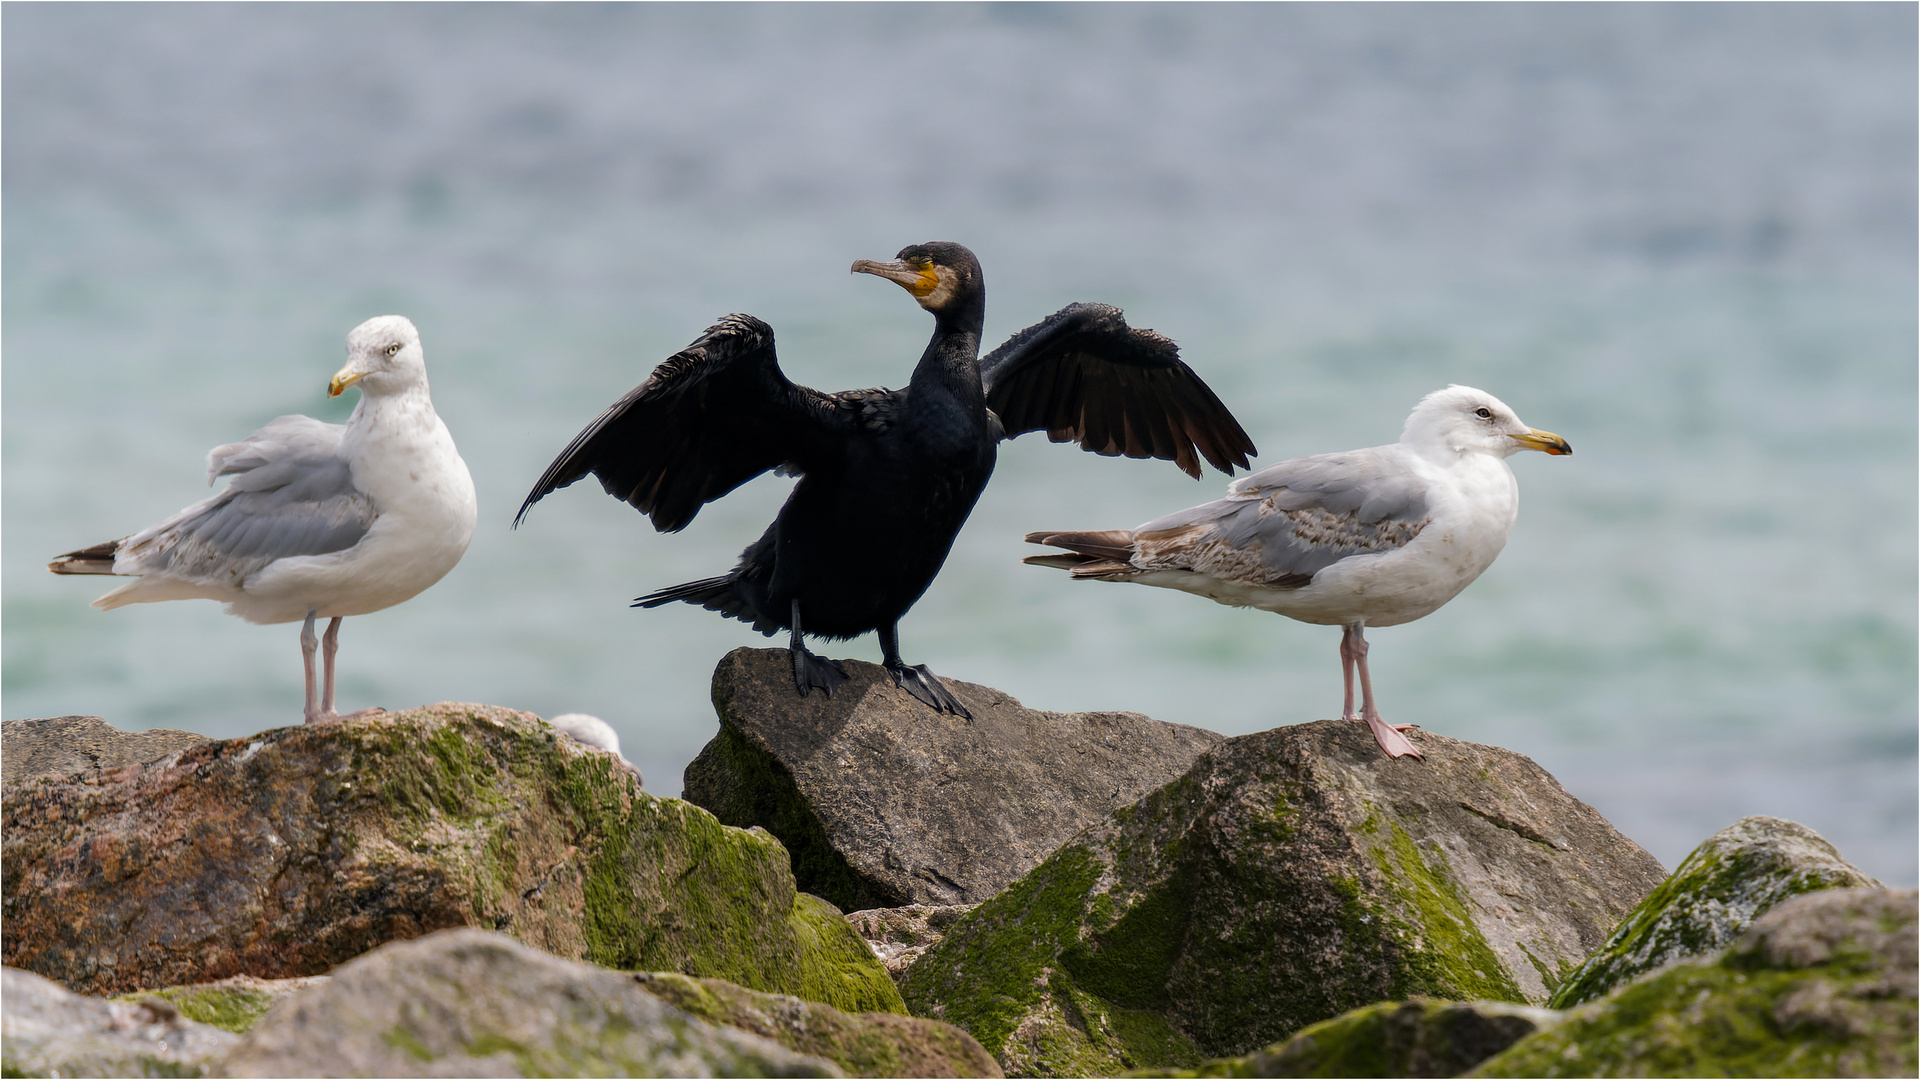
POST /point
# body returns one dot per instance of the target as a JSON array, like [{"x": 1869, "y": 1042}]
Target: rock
[
  {"x": 899, "y": 936},
  {"x": 47, "y": 1030},
  {"x": 69, "y": 744},
  {"x": 885, "y": 803},
  {"x": 474, "y": 1003},
  {"x": 1290, "y": 876},
  {"x": 1821, "y": 985},
  {"x": 285, "y": 854},
  {"x": 867, "y": 1044},
  {"x": 1728, "y": 881},
  {"x": 234, "y": 1004},
  {"x": 1421, "y": 1037}
]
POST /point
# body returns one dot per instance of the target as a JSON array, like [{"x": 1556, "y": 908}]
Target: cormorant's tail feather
[
  {"x": 97, "y": 559},
  {"x": 721, "y": 594}
]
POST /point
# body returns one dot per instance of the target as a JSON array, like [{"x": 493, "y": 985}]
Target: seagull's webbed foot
[
  {"x": 1388, "y": 735},
  {"x": 926, "y": 686}
]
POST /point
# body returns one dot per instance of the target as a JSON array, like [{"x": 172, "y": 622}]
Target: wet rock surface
[
  {"x": 864, "y": 1044},
  {"x": 60, "y": 745},
  {"x": 1421, "y": 1037},
  {"x": 900, "y": 936},
  {"x": 1288, "y": 877},
  {"x": 474, "y": 1003},
  {"x": 885, "y": 803},
  {"x": 300, "y": 848},
  {"x": 1820, "y": 985},
  {"x": 1705, "y": 905},
  {"x": 46, "y": 1030}
]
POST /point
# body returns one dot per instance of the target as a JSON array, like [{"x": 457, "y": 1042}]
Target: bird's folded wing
[
  {"x": 1289, "y": 521},
  {"x": 711, "y": 417},
  {"x": 292, "y": 494},
  {"x": 1082, "y": 374}
]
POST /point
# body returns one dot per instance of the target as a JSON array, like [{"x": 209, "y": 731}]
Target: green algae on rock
[
  {"x": 1290, "y": 876},
  {"x": 863, "y": 1044},
  {"x": 1821, "y": 985},
  {"x": 297, "y": 849},
  {"x": 47, "y": 1030},
  {"x": 234, "y": 1004},
  {"x": 474, "y": 1003},
  {"x": 1727, "y": 882},
  {"x": 1421, "y": 1037}
]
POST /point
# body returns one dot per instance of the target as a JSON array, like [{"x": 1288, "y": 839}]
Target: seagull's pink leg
[
  {"x": 1346, "y": 670},
  {"x": 1354, "y": 643},
  {"x": 308, "y": 643},
  {"x": 331, "y": 647}
]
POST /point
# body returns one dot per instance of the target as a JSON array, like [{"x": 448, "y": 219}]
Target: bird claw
[
  {"x": 810, "y": 671},
  {"x": 927, "y": 687},
  {"x": 334, "y": 717}
]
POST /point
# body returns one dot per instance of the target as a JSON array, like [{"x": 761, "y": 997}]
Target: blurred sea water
[{"x": 1681, "y": 236}]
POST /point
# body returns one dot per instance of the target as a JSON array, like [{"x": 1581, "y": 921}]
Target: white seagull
[
  {"x": 321, "y": 520},
  {"x": 1372, "y": 537}
]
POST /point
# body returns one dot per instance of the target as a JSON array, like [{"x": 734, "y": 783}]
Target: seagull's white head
[
  {"x": 383, "y": 357},
  {"x": 1462, "y": 420}
]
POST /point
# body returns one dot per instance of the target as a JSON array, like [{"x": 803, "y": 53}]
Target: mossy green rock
[
  {"x": 1421, "y": 1037},
  {"x": 474, "y": 1003},
  {"x": 1727, "y": 882},
  {"x": 865, "y": 1044},
  {"x": 298, "y": 849},
  {"x": 1821, "y": 985},
  {"x": 1290, "y": 876}
]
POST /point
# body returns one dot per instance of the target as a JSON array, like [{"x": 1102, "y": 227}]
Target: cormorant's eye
[
  {"x": 395, "y": 347},
  {"x": 1483, "y": 413}
]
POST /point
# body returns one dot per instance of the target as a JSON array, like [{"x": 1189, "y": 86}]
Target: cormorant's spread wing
[
  {"x": 711, "y": 417},
  {"x": 1084, "y": 375}
]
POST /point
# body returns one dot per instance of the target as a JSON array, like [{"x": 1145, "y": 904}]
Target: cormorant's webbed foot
[
  {"x": 926, "y": 686},
  {"x": 810, "y": 671}
]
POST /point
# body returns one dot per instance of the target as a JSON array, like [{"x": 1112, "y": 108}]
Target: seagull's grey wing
[
  {"x": 1289, "y": 521},
  {"x": 711, "y": 417},
  {"x": 292, "y": 494},
  {"x": 1082, "y": 374}
]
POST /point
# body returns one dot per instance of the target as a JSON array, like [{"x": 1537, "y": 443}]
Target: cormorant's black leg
[
  {"x": 917, "y": 680},
  {"x": 809, "y": 670}
]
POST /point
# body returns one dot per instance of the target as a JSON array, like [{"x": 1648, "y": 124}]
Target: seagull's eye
[
  {"x": 395, "y": 347},
  {"x": 1483, "y": 413}
]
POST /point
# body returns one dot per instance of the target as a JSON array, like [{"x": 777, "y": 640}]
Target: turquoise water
[{"x": 1680, "y": 237}]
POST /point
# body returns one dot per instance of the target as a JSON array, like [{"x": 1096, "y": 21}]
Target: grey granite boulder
[
  {"x": 1421, "y": 1037},
  {"x": 1288, "y": 877},
  {"x": 475, "y": 1003},
  {"x": 47, "y": 1030},
  {"x": 1727, "y": 882},
  {"x": 883, "y": 802},
  {"x": 233, "y": 1004},
  {"x": 1821, "y": 985},
  {"x": 68, "y": 744}
]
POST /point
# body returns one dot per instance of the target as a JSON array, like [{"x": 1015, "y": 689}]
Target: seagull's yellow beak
[
  {"x": 918, "y": 279},
  {"x": 1544, "y": 441},
  {"x": 342, "y": 379}
]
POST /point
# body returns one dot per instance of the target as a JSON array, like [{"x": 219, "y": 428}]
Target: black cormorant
[{"x": 887, "y": 477}]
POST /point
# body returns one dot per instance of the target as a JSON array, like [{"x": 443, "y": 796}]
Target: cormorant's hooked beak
[
  {"x": 915, "y": 279},
  {"x": 1544, "y": 441},
  {"x": 342, "y": 379}
]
